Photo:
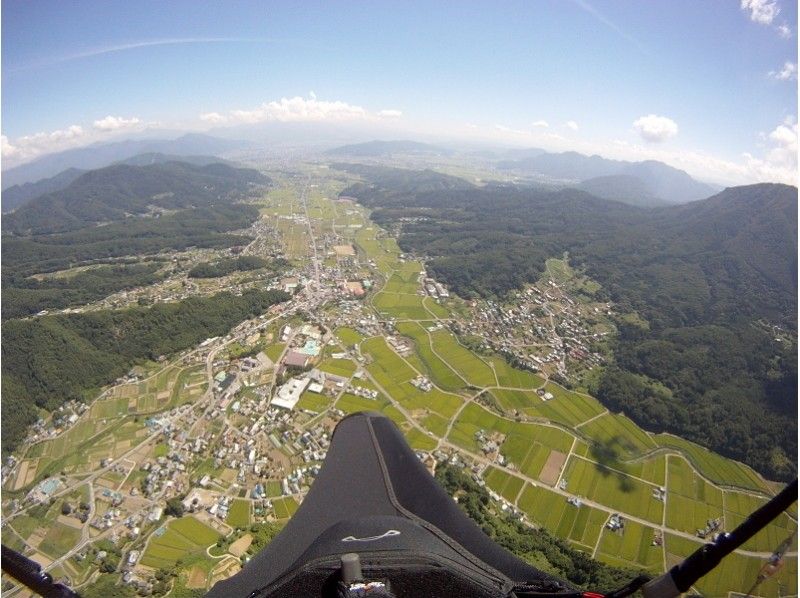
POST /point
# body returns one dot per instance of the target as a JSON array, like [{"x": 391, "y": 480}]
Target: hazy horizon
[{"x": 707, "y": 88}]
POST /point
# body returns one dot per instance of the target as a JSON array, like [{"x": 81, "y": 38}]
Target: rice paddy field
[
  {"x": 620, "y": 435},
  {"x": 284, "y": 507},
  {"x": 581, "y": 526},
  {"x": 473, "y": 369},
  {"x": 615, "y": 490},
  {"x": 239, "y": 514},
  {"x": 631, "y": 546},
  {"x": 394, "y": 375},
  {"x": 713, "y": 466},
  {"x": 439, "y": 372},
  {"x": 735, "y": 573},
  {"x": 739, "y": 505},
  {"x": 505, "y": 484},
  {"x": 180, "y": 539},
  {"x": 512, "y": 377},
  {"x": 691, "y": 501}
]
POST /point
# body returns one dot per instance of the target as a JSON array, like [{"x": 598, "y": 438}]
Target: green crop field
[
  {"x": 505, "y": 484},
  {"x": 462, "y": 360},
  {"x": 182, "y": 538},
  {"x": 566, "y": 407},
  {"x": 59, "y": 540},
  {"x": 516, "y": 400},
  {"x": 739, "y": 505},
  {"x": 284, "y": 507},
  {"x": 274, "y": 350},
  {"x": 352, "y": 403},
  {"x": 735, "y": 572},
  {"x": 348, "y": 336},
  {"x": 510, "y": 376},
  {"x": 419, "y": 440},
  {"x": 339, "y": 367},
  {"x": 619, "y": 435},
  {"x": 526, "y": 445},
  {"x": 633, "y": 545},
  {"x": 716, "y": 468},
  {"x": 652, "y": 469},
  {"x": 395, "y": 305},
  {"x": 314, "y": 402},
  {"x": 440, "y": 373},
  {"x": 239, "y": 514},
  {"x": 691, "y": 501},
  {"x": 615, "y": 490},
  {"x": 405, "y": 283},
  {"x": 580, "y": 525}
]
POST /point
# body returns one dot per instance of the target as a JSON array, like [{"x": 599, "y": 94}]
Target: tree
[{"x": 174, "y": 507}]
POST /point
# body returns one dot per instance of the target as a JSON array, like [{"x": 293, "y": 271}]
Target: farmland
[{"x": 177, "y": 540}]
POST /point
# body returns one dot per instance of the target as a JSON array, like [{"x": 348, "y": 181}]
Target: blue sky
[{"x": 712, "y": 85}]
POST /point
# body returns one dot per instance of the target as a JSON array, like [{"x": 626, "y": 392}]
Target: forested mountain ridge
[
  {"x": 709, "y": 279},
  {"x": 49, "y": 360},
  {"x": 118, "y": 211},
  {"x": 658, "y": 180},
  {"x": 114, "y": 192}
]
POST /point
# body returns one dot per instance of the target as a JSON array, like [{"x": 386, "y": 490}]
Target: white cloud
[
  {"x": 787, "y": 73},
  {"x": 299, "y": 109},
  {"x": 761, "y": 11},
  {"x": 655, "y": 128},
  {"x": 571, "y": 124},
  {"x": 540, "y": 123},
  {"x": 30, "y": 146},
  {"x": 312, "y": 95},
  {"x": 213, "y": 118},
  {"x": 390, "y": 113},
  {"x": 8, "y": 150},
  {"x": 505, "y": 129},
  {"x": 784, "y": 30},
  {"x": 115, "y": 123}
]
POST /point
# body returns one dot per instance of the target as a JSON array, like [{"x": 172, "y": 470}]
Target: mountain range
[
  {"x": 645, "y": 183},
  {"x": 16, "y": 195},
  {"x": 100, "y": 155},
  {"x": 118, "y": 191}
]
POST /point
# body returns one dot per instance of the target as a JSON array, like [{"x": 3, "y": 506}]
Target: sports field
[{"x": 348, "y": 336}]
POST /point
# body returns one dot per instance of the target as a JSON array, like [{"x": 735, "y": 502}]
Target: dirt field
[
  {"x": 552, "y": 468},
  {"x": 70, "y": 521},
  {"x": 22, "y": 473},
  {"x": 196, "y": 578},
  {"x": 344, "y": 250},
  {"x": 241, "y": 545}
]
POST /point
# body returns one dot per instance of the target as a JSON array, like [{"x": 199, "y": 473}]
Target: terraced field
[
  {"x": 580, "y": 525},
  {"x": 614, "y": 490}
]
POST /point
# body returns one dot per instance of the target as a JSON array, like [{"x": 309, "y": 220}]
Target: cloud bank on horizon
[{"x": 557, "y": 95}]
